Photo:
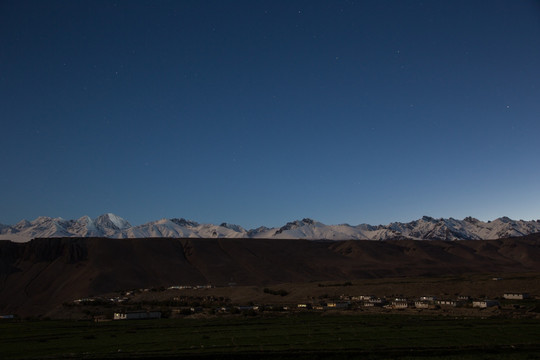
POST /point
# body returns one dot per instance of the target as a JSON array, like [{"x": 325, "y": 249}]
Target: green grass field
[{"x": 303, "y": 336}]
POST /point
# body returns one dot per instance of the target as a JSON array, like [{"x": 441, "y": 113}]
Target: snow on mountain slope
[
  {"x": 310, "y": 229},
  {"x": 42, "y": 226},
  {"x": 234, "y": 227},
  {"x": 466, "y": 229},
  {"x": 438, "y": 229},
  {"x": 106, "y": 225},
  {"x": 160, "y": 228},
  {"x": 426, "y": 228},
  {"x": 213, "y": 231},
  {"x": 84, "y": 226},
  {"x": 108, "y": 222}
]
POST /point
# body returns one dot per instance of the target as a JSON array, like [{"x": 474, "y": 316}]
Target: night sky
[{"x": 262, "y": 112}]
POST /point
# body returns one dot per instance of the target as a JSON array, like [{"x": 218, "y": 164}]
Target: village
[{"x": 200, "y": 301}]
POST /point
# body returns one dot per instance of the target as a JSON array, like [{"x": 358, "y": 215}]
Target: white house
[
  {"x": 516, "y": 296},
  {"x": 137, "y": 315},
  {"x": 485, "y": 303},
  {"x": 421, "y": 304},
  {"x": 447, "y": 303},
  {"x": 377, "y": 301},
  {"x": 398, "y": 304}
]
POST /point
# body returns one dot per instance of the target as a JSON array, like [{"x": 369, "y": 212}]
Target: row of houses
[
  {"x": 188, "y": 287},
  {"x": 345, "y": 302},
  {"x": 116, "y": 299},
  {"x": 430, "y": 302},
  {"x": 423, "y": 302},
  {"x": 399, "y": 303},
  {"x": 445, "y": 303}
]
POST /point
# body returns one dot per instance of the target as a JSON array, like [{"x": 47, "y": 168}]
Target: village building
[
  {"x": 485, "y": 303},
  {"x": 377, "y": 301},
  {"x": 374, "y": 302},
  {"x": 516, "y": 296},
  {"x": 118, "y": 299},
  {"x": 338, "y": 305},
  {"x": 179, "y": 287},
  {"x": 448, "y": 303},
  {"x": 428, "y": 298},
  {"x": 422, "y": 304},
  {"x": 204, "y": 286},
  {"x": 399, "y": 304},
  {"x": 137, "y": 315},
  {"x": 84, "y": 300},
  {"x": 362, "y": 297}
]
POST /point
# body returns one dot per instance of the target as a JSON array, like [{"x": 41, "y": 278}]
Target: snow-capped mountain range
[{"x": 426, "y": 228}]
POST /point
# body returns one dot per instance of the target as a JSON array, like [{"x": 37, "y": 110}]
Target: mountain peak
[
  {"x": 22, "y": 224},
  {"x": 111, "y": 221},
  {"x": 295, "y": 225},
  {"x": 184, "y": 222},
  {"x": 470, "y": 219},
  {"x": 234, "y": 227},
  {"x": 85, "y": 219}
]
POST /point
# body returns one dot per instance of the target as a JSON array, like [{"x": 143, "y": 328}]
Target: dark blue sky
[{"x": 262, "y": 112}]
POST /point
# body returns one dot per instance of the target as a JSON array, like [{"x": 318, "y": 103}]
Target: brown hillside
[{"x": 44, "y": 273}]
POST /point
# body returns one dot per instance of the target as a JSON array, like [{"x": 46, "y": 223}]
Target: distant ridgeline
[{"x": 426, "y": 228}]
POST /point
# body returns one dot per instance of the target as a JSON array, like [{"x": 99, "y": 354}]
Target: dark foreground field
[{"x": 303, "y": 336}]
